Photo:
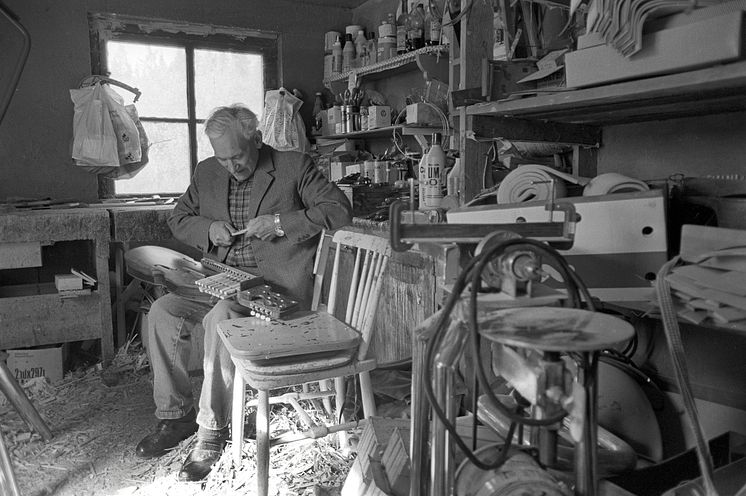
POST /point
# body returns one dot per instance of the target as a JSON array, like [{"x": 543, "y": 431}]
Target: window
[{"x": 182, "y": 75}]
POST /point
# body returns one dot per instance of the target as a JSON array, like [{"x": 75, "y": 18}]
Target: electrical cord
[{"x": 471, "y": 272}]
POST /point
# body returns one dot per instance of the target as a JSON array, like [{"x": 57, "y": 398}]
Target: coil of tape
[
  {"x": 532, "y": 182},
  {"x": 612, "y": 182}
]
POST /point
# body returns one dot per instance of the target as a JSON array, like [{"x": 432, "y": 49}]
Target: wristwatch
[{"x": 278, "y": 226}]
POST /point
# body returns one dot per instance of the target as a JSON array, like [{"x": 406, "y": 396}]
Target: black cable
[{"x": 572, "y": 283}]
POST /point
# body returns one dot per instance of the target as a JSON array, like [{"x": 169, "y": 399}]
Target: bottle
[
  {"x": 386, "y": 48},
  {"x": 361, "y": 48},
  {"x": 348, "y": 53},
  {"x": 436, "y": 159},
  {"x": 401, "y": 29},
  {"x": 318, "y": 108},
  {"x": 415, "y": 30},
  {"x": 433, "y": 27},
  {"x": 426, "y": 29},
  {"x": 421, "y": 180},
  {"x": 372, "y": 48},
  {"x": 387, "y": 27},
  {"x": 337, "y": 56},
  {"x": 499, "y": 51},
  {"x": 453, "y": 183}
]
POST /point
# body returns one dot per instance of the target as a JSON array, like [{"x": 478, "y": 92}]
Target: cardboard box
[
  {"x": 338, "y": 170},
  {"x": 379, "y": 116},
  {"x": 333, "y": 117},
  {"x": 43, "y": 362},
  {"x": 422, "y": 115},
  {"x": 65, "y": 282}
]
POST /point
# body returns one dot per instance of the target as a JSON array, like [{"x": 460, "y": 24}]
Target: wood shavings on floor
[{"x": 97, "y": 419}]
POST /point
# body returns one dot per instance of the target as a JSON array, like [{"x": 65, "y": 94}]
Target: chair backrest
[{"x": 371, "y": 258}]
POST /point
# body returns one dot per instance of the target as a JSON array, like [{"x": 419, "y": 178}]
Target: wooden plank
[
  {"x": 19, "y": 255},
  {"x": 140, "y": 223},
  {"x": 46, "y": 319},
  {"x": 524, "y": 130},
  {"x": 55, "y": 225},
  {"x": 727, "y": 80}
]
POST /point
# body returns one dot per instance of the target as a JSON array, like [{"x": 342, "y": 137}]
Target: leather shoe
[
  {"x": 200, "y": 460},
  {"x": 168, "y": 434}
]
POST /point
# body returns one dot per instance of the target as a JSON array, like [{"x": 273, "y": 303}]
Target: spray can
[{"x": 435, "y": 163}]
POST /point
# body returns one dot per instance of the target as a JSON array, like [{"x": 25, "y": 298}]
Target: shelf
[
  {"x": 711, "y": 90},
  {"x": 396, "y": 65},
  {"x": 384, "y": 132}
]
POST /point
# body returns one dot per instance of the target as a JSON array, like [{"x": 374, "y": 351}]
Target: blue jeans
[{"x": 173, "y": 323}]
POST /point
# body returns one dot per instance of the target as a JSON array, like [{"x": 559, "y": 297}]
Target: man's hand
[
  {"x": 262, "y": 227},
  {"x": 220, "y": 233}
]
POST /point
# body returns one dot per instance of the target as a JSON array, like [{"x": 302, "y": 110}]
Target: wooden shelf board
[
  {"x": 383, "y": 132},
  {"x": 716, "y": 89},
  {"x": 389, "y": 67}
]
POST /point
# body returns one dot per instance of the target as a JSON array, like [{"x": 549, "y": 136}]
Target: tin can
[{"x": 379, "y": 172}]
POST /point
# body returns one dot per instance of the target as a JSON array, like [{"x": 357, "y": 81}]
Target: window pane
[
  {"x": 224, "y": 78},
  {"x": 204, "y": 148},
  {"x": 168, "y": 166},
  {"x": 158, "y": 71}
]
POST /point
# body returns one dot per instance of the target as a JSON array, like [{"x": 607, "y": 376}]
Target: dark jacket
[{"x": 287, "y": 183}]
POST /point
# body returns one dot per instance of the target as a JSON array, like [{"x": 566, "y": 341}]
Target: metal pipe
[
  {"x": 444, "y": 370},
  {"x": 585, "y": 452}
]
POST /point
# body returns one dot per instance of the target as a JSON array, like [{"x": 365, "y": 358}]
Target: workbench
[
  {"x": 35, "y": 314},
  {"x": 133, "y": 224}
]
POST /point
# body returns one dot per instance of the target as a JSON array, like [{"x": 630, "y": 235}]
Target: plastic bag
[
  {"x": 129, "y": 171},
  {"x": 125, "y": 167},
  {"x": 281, "y": 125},
  {"x": 94, "y": 140},
  {"x": 128, "y": 140}
]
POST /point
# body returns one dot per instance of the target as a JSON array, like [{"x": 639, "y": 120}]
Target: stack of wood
[
  {"x": 711, "y": 285},
  {"x": 382, "y": 463}
]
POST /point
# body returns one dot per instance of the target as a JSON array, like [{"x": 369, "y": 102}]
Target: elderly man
[{"x": 283, "y": 202}]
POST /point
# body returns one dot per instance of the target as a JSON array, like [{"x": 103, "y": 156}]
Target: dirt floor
[{"x": 97, "y": 418}]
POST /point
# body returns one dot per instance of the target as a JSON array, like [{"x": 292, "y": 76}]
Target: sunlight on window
[
  {"x": 168, "y": 167},
  {"x": 223, "y": 78},
  {"x": 160, "y": 73}
]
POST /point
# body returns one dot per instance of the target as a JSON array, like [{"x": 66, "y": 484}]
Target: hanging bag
[
  {"x": 94, "y": 140},
  {"x": 128, "y": 140},
  {"x": 281, "y": 125},
  {"x": 122, "y": 122}
]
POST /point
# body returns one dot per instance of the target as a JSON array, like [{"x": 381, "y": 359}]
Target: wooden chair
[{"x": 311, "y": 346}]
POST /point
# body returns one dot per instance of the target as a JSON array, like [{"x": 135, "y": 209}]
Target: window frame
[{"x": 190, "y": 36}]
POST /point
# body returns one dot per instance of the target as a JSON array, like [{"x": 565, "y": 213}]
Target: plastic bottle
[
  {"x": 372, "y": 48},
  {"x": 415, "y": 31},
  {"x": 387, "y": 27},
  {"x": 421, "y": 179},
  {"x": 401, "y": 29},
  {"x": 453, "y": 183},
  {"x": 386, "y": 48},
  {"x": 318, "y": 108},
  {"x": 361, "y": 47},
  {"x": 435, "y": 163},
  {"x": 499, "y": 50},
  {"x": 337, "y": 56},
  {"x": 348, "y": 53}
]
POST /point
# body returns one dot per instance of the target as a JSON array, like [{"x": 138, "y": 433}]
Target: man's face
[{"x": 237, "y": 154}]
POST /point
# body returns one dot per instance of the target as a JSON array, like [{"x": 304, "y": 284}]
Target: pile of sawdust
[{"x": 97, "y": 418}]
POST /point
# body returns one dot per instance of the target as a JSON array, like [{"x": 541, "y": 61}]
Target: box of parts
[
  {"x": 379, "y": 116},
  {"x": 31, "y": 363}
]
